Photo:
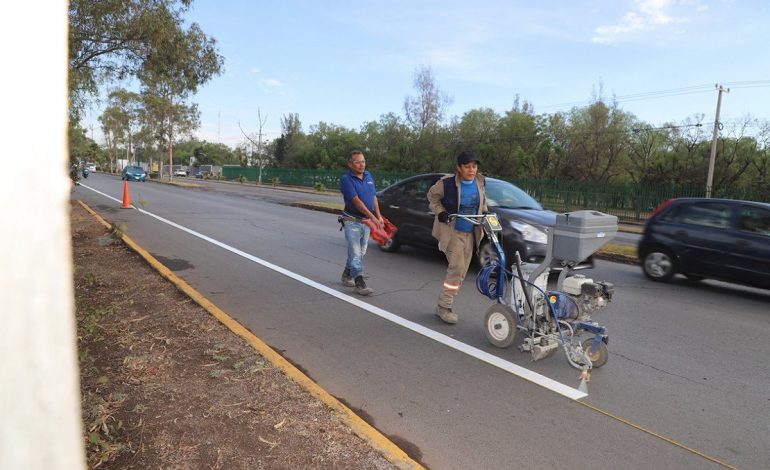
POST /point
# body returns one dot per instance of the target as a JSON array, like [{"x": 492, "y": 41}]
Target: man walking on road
[
  {"x": 461, "y": 193},
  {"x": 360, "y": 197}
]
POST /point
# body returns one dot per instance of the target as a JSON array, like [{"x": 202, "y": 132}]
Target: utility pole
[{"x": 717, "y": 127}]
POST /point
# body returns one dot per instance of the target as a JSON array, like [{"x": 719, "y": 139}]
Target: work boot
[
  {"x": 446, "y": 315},
  {"x": 346, "y": 279},
  {"x": 361, "y": 288}
]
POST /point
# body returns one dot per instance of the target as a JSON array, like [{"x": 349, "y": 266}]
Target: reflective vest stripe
[{"x": 451, "y": 286}]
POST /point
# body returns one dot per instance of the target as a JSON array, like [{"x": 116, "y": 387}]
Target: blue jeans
[{"x": 357, "y": 236}]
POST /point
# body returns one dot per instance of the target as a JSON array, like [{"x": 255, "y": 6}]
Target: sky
[{"x": 349, "y": 62}]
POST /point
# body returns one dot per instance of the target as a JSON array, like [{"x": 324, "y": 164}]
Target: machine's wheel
[
  {"x": 391, "y": 246},
  {"x": 487, "y": 253},
  {"x": 659, "y": 265},
  {"x": 599, "y": 358},
  {"x": 500, "y": 326}
]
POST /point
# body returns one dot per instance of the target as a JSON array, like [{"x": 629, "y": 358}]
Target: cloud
[
  {"x": 648, "y": 16},
  {"x": 271, "y": 83}
]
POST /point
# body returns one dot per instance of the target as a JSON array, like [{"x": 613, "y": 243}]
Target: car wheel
[
  {"x": 487, "y": 254},
  {"x": 659, "y": 265},
  {"x": 391, "y": 246}
]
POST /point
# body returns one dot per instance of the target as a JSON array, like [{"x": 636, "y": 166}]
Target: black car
[
  {"x": 525, "y": 222},
  {"x": 701, "y": 238}
]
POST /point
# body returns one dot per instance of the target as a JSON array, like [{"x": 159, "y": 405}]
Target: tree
[
  {"x": 291, "y": 136},
  {"x": 113, "y": 130},
  {"x": 426, "y": 110},
  {"x": 110, "y": 39},
  {"x": 259, "y": 154},
  {"x": 180, "y": 62}
]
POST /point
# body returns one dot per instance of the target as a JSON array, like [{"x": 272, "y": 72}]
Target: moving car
[
  {"x": 180, "y": 172},
  {"x": 525, "y": 222},
  {"x": 133, "y": 173},
  {"x": 701, "y": 238}
]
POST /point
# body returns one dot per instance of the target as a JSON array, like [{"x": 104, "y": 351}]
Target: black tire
[
  {"x": 659, "y": 265},
  {"x": 500, "y": 326},
  {"x": 486, "y": 253},
  {"x": 599, "y": 358},
  {"x": 391, "y": 246}
]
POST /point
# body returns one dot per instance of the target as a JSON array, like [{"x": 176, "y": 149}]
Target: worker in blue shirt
[{"x": 360, "y": 195}]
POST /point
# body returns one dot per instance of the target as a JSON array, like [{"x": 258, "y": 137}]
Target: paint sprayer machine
[{"x": 548, "y": 319}]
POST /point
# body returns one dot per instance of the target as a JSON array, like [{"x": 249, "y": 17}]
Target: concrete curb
[{"x": 361, "y": 428}]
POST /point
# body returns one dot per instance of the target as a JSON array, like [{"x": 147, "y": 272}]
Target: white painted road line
[{"x": 484, "y": 356}]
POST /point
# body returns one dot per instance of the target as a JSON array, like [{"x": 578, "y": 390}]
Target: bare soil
[{"x": 165, "y": 385}]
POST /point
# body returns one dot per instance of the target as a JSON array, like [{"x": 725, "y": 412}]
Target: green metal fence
[
  {"x": 328, "y": 179},
  {"x": 629, "y": 202}
]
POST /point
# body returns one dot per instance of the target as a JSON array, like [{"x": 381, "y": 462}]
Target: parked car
[
  {"x": 180, "y": 172},
  {"x": 203, "y": 174},
  {"x": 701, "y": 238},
  {"x": 134, "y": 173},
  {"x": 525, "y": 222}
]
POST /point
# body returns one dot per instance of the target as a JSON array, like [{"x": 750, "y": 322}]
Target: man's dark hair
[{"x": 353, "y": 153}]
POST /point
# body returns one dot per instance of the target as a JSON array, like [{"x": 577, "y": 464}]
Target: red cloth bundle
[{"x": 381, "y": 236}]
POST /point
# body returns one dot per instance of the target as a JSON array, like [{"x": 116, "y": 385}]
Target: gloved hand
[{"x": 443, "y": 217}]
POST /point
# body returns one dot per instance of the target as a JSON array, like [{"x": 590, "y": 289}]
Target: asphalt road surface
[{"x": 687, "y": 384}]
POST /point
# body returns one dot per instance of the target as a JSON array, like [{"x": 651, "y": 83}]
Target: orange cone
[{"x": 126, "y": 196}]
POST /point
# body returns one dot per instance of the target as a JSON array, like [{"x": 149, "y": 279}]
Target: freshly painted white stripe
[{"x": 484, "y": 356}]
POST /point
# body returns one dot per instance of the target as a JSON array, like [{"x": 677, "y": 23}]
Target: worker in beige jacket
[{"x": 460, "y": 193}]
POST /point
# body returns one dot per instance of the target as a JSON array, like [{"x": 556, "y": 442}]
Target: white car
[{"x": 180, "y": 172}]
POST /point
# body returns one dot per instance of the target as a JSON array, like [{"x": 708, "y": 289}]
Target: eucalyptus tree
[
  {"x": 113, "y": 128},
  {"x": 111, "y": 39},
  {"x": 180, "y": 64}
]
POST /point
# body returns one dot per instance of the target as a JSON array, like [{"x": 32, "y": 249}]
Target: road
[{"x": 686, "y": 385}]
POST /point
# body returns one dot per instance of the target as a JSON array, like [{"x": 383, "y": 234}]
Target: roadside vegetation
[{"x": 599, "y": 143}]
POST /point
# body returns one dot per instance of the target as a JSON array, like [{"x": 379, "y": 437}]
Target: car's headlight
[{"x": 529, "y": 232}]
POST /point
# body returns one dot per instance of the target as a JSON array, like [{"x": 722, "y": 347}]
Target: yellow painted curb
[{"x": 364, "y": 430}]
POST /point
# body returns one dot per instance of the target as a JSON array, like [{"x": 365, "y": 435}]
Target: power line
[{"x": 644, "y": 95}]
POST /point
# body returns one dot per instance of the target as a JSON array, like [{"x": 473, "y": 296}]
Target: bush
[
  {"x": 275, "y": 181},
  {"x": 241, "y": 178},
  {"x": 320, "y": 187}
]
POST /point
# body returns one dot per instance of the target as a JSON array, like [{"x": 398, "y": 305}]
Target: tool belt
[{"x": 346, "y": 218}]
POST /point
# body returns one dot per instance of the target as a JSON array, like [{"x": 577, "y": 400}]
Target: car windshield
[
  {"x": 507, "y": 196},
  {"x": 135, "y": 169}
]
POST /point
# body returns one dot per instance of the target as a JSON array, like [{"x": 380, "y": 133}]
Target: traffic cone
[{"x": 126, "y": 196}]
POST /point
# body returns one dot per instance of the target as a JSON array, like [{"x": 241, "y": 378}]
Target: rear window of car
[{"x": 705, "y": 214}]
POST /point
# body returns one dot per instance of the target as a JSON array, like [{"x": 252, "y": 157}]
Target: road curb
[{"x": 361, "y": 428}]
